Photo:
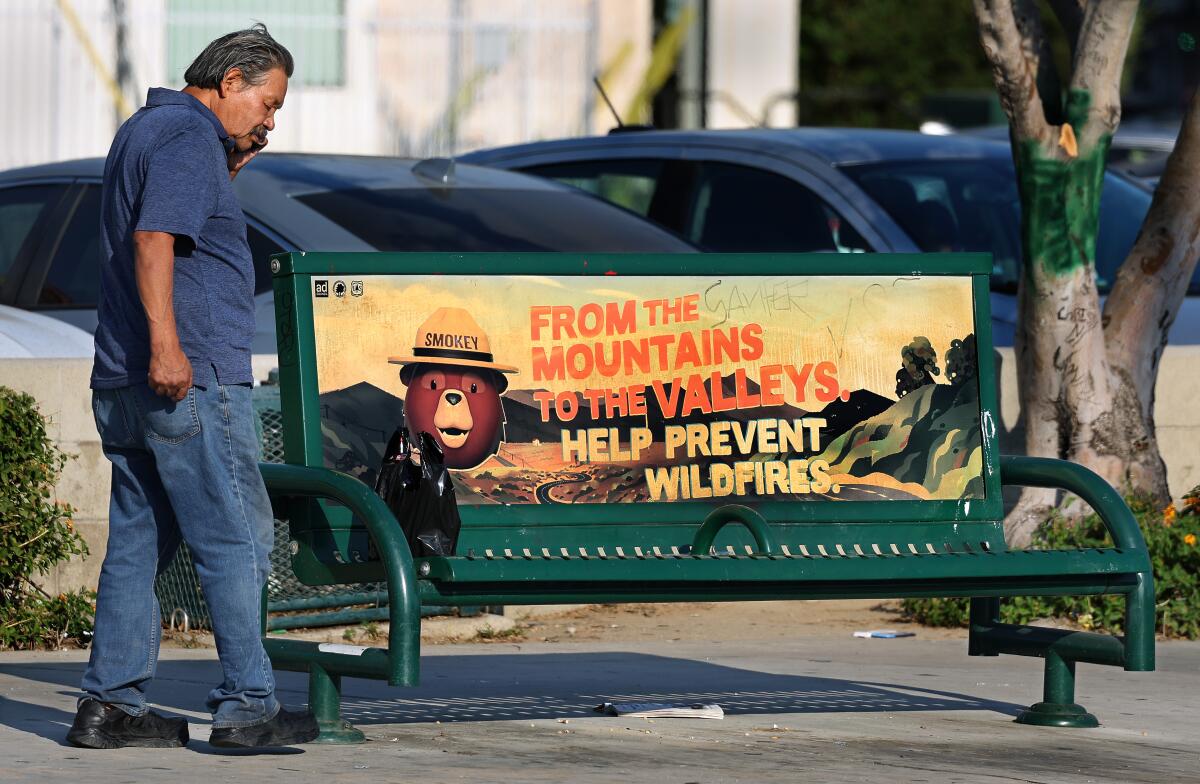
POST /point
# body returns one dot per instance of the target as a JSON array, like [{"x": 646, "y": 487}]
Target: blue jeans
[{"x": 185, "y": 469}]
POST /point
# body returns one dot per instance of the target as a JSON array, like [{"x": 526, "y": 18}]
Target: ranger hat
[{"x": 451, "y": 337}]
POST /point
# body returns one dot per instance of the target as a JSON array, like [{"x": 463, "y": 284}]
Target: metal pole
[
  {"x": 799, "y": 51},
  {"x": 455, "y": 66},
  {"x": 55, "y": 87},
  {"x": 705, "y": 41},
  {"x": 691, "y": 76},
  {"x": 123, "y": 70},
  {"x": 526, "y": 49},
  {"x": 592, "y": 60}
]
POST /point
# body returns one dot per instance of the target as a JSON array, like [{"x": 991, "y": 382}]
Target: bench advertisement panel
[{"x": 571, "y": 389}]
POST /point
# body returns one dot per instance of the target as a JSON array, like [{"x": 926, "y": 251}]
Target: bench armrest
[
  {"x": 404, "y": 606},
  {"x": 1138, "y": 642},
  {"x": 1083, "y": 482}
]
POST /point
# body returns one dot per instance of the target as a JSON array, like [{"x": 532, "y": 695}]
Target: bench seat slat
[{"x": 739, "y": 568}]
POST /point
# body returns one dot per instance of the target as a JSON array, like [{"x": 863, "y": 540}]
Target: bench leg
[
  {"x": 984, "y": 613},
  {"x": 325, "y": 701},
  {"x": 1058, "y": 707},
  {"x": 1139, "y": 626}
]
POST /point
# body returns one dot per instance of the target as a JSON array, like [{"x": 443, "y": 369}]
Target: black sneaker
[
  {"x": 99, "y": 725},
  {"x": 285, "y": 729}
]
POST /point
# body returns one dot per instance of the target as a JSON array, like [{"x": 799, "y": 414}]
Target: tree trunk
[
  {"x": 1065, "y": 380},
  {"x": 1148, "y": 292},
  {"x": 1080, "y": 402}
]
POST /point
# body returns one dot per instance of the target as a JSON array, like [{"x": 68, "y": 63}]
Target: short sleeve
[{"x": 180, "y": 189}]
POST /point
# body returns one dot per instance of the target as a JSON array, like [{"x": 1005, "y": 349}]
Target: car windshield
[
  {"x": 487, "y": 219},
  {"x": 972, "y": 205}
]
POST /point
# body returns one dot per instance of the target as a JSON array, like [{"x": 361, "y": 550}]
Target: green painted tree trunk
[
  {"x": 1075, "y": 406},
  {"x": 1086, "y": 375}
]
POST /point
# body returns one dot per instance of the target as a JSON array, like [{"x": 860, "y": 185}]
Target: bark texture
[
  {"x": 1086, "y": 383},
  {"x": 1149, "y": 290}
]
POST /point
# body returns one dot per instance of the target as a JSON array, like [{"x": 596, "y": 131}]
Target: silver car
[{"x": 50, "y": 222}]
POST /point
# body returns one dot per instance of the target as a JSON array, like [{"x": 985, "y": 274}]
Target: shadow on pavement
[
  {"x": 569, "y": 685},
  {"x": 504, "y": 686},
  {"x": 49, "y": 723}
]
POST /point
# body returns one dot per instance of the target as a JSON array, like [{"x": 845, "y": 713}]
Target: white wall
[
  {"x": 56, "y": 106},
  {"x": 1176, "y": 414},
  {"x": 753, "y": 59},
  {"x": 60, "y": 387}
]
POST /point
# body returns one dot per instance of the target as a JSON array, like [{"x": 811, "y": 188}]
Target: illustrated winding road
[
  {"x": 543, "y": 491},
  {"x": 868, "y": 493}
]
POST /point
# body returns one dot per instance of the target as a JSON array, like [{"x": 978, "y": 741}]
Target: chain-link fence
[{"x": 290, "y": 602}]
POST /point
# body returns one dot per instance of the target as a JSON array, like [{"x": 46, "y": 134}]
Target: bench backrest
[{"x": 616, "y": 399}]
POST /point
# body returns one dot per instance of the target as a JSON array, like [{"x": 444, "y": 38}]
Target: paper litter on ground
[{"x": 661, "y": 710}]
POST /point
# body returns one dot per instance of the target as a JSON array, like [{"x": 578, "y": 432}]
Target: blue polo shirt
[{"x": 167, "y": 171}]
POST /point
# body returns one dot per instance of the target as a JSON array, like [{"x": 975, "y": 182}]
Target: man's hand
[
  {"x": 239, "y": 158},
  {"x": 170, "y": 372}
]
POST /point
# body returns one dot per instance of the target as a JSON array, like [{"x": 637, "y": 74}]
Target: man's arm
[{"x": 154, "y": 267}]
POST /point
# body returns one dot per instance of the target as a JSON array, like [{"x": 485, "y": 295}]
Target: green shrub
[
  {"x": 41, "y": 621},
  {"x": 35, "y": 533},
  {"x": 1173, "y": 539}
]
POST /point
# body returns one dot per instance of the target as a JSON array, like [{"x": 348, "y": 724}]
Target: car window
[
  {"x": 951, "y": 206},
  {"x": 261, "y": 248},
  {"x": 1123, "y": 206},
  {"x": 20, "y": 208},
  {"x": 488, "y": 219},
  {"x": 74, "y": 275},
  {"x": 1140, "y": 161},
  {"x": 739, "y": 208},
  {"x": 969, "y": 205},
  {"x": 627, "y": 183},
  {"x": 657, "y": 189}
]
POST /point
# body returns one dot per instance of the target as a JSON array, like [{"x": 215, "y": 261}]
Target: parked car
[
  {"x": 50, "y": 222},
  {"x": 836, "y": 190},
  {"x": 34, "y": 336}
]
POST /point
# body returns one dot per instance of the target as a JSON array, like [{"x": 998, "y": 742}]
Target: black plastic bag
[
  {"x": 435, "y": 517},
  {"x": 421, "y": 497},
  {"x": 397, "y": 472},
  {"x": 397, "y": 482}
]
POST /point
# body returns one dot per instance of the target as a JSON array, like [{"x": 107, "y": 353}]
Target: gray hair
[{"x": 253, "y": 51}]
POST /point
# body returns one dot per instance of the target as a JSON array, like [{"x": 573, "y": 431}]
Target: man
[{"x": 171, "y": 396}]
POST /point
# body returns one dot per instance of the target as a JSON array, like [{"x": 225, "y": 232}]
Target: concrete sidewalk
[{"x": 813, "y": 710}]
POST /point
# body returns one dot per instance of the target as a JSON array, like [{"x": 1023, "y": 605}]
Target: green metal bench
[{"x": 886, "y": 535}]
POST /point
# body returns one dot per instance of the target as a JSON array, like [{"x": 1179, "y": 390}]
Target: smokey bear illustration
[{"x": 453, "y": 387}]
